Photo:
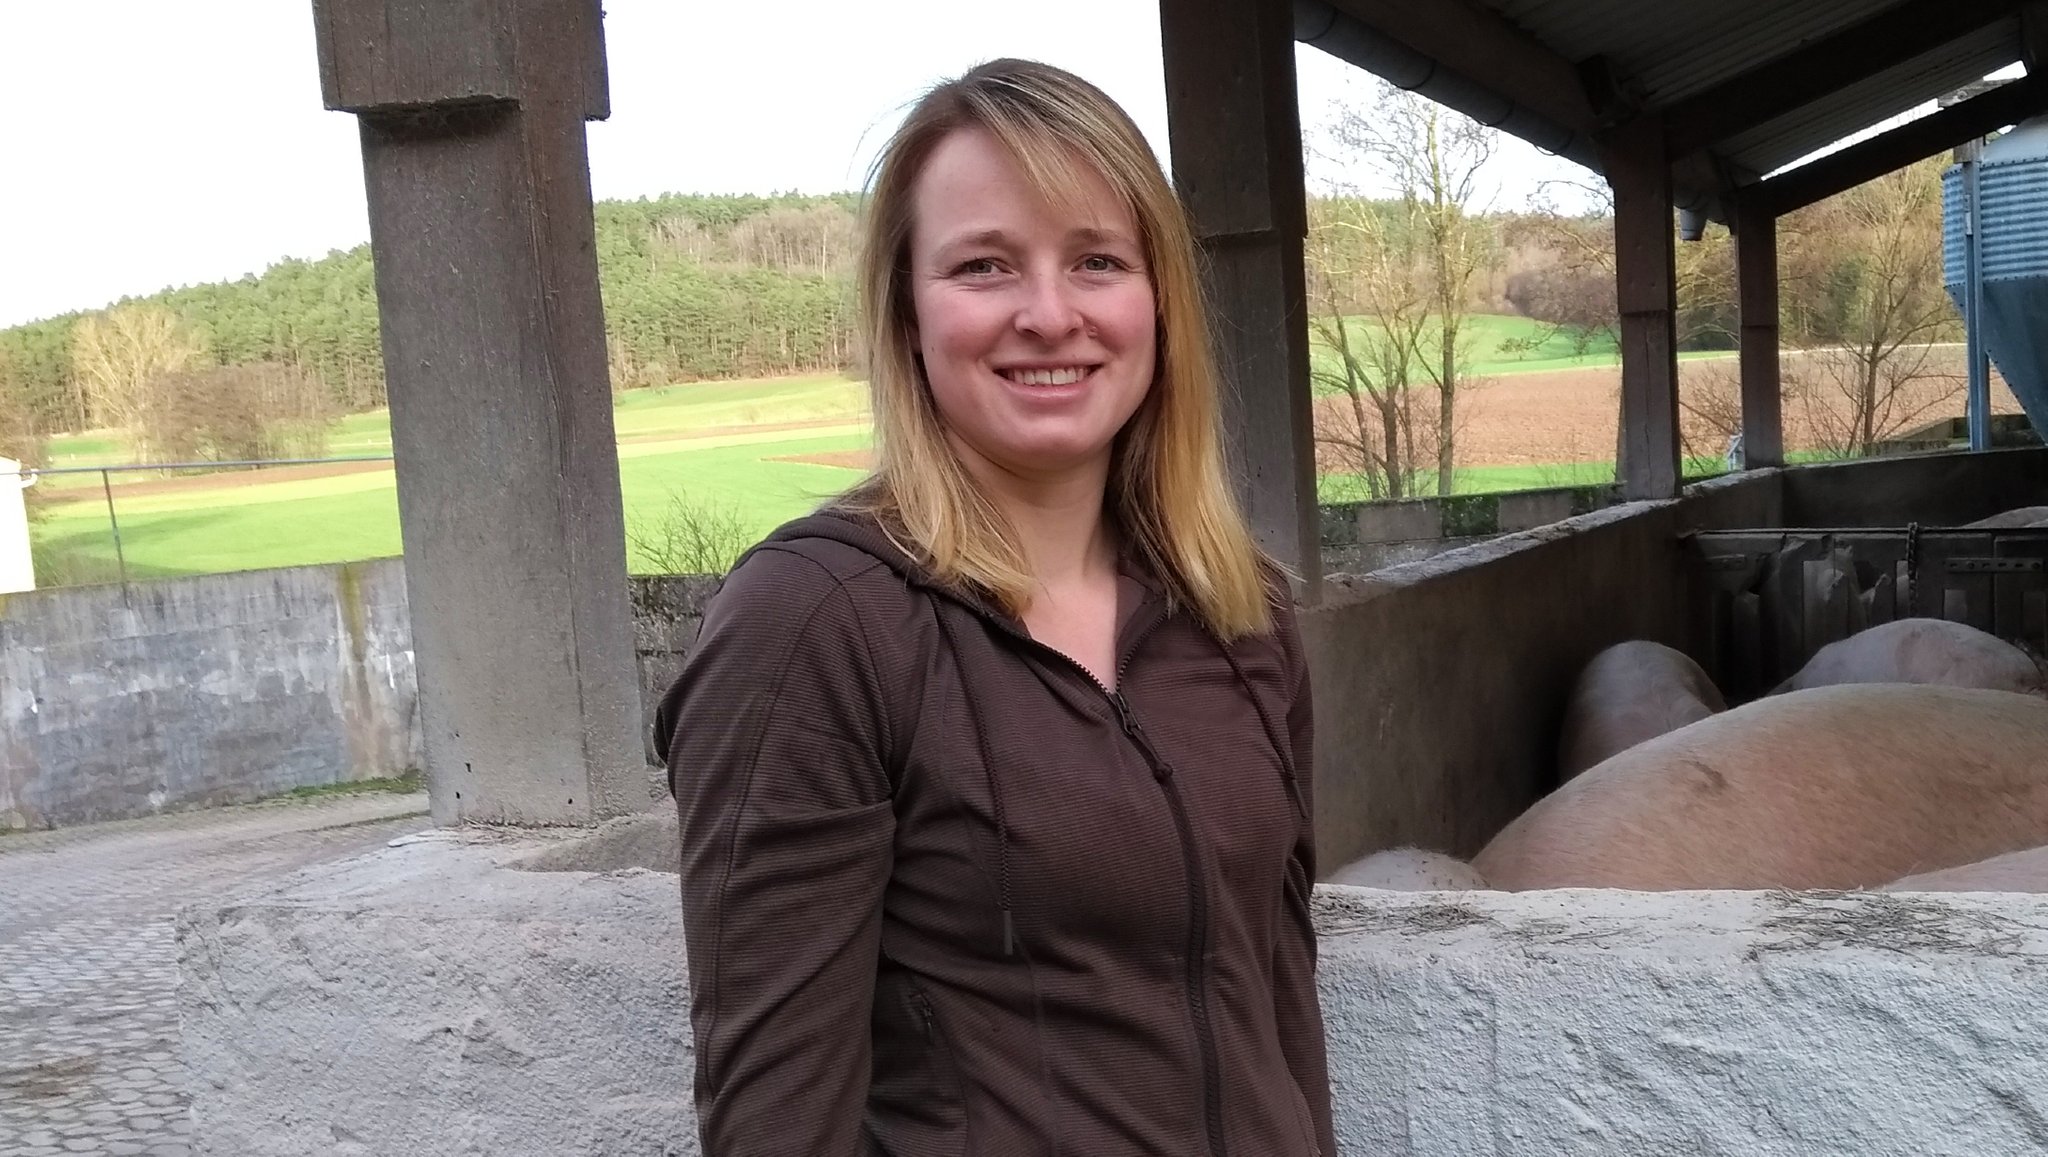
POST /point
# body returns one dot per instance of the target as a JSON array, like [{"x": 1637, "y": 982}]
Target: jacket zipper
[
  {"x": 1198, "y": 921},
  {"x": 1198, "y": 891}
]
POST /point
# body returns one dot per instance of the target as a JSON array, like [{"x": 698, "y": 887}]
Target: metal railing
[{"x": 30, "y": 475}]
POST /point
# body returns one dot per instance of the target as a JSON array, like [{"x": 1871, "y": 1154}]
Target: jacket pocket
[{"x": 916, "y": 1099}]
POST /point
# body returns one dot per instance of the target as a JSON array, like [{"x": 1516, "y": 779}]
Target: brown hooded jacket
[{"x": 944, "y": 893}]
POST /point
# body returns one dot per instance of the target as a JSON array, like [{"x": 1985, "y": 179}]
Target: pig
[
  {"x": 2025, "y": 871},
  {"x": 1628, "y": 693},
  {"x": 1835, "y": 787},
  {"x": 2023, "y": 517},
  {"x": 1920, "y": 651},
  {"x": 1408, "y": 870}
]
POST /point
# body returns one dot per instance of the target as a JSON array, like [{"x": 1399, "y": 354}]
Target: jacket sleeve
[
  {"x": 1297, "y": 1008},
  {"x": 777, "y": 747}
]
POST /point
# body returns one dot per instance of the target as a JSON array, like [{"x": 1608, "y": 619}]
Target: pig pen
[
  {"x": 1440, "y": 684},
  {"x": 445, "y": 996}
]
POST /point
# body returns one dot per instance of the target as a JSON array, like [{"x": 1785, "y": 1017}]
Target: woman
[{"x": 994, "y": 773}]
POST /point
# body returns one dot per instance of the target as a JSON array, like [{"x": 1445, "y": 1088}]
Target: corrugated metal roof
[
  {"x": 1889, "y": 93},
  {"x": 1666, "y": 51},
  {"x": 1672, "y": 50}
]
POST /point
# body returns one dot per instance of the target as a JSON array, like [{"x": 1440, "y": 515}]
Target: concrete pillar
[
  {"x": 1756, "y": 287},
  {"x": 1236, "y": 141},
  {"x": 1646, "y": 284},
  {"x": 508, "y": 481},
  {"x": 17, "y": 560}
]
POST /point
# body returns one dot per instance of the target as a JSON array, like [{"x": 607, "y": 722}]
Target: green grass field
[
  {"x": 721, "y": 445},
  {"x": 243, "y": 524}
]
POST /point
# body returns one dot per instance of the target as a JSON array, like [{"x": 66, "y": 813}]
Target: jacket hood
[
  {"x": 859, "y": 531},
  {"x": 865, "y": 534}
]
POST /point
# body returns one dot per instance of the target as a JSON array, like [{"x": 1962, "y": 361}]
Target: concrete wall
[
  {"x": 1932, "y": 489},
  {"x": 1767, "y": 1024},
  {"x": 1439, "y": 684},
  {"x": 427, "y": 999},
  {"x": 224, "y": 688},
  {"x": 1359, "y": 537},
  {"x": 667, "y": 610},
  {"x": 117, "y": 702}
]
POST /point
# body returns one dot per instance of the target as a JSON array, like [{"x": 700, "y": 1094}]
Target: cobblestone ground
[{"x": 89, "y": 971}]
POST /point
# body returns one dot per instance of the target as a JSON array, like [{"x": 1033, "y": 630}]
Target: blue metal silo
[{"x": 2012, "y": 193}]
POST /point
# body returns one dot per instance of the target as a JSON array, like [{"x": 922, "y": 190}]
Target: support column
[
  {"x": 501, "y": 422},
  {"x": 1977, "y": 397},
  {"x": 1236, "y": 143},
  {"x": 1756, "y": 288},
  {"x": 1646, "y": 285}
]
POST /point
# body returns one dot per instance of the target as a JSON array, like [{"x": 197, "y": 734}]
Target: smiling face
[{"x": 1035, "y": 321}]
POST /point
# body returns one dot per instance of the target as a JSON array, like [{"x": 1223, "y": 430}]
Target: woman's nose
[{"x": 1048, "y": 311}]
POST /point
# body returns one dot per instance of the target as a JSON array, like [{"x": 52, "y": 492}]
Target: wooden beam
[
  {"x": 1646, "y": 288},
  {"x": 2034, "y": 36},
  {"x": 1756, "y": 287},
  {"x": 471, "y": 115},
  {"x": 1910, "y": 142},
  {"x": 1481, "y": 44},
  {"x": 1235, "y": 137},
  {"x": 1823, "y": 66}
]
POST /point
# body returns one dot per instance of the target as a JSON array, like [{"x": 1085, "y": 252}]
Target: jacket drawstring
[{"x": 995, "y": 792}]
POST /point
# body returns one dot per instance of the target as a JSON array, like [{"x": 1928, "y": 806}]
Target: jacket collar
[{"x": 1141, "y": 596}]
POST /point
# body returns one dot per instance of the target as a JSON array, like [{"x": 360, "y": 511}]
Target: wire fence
[{"x": 30, "y": 476}]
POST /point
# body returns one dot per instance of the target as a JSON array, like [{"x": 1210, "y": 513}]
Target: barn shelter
[
  {"x": 1692, "y": 105},
  {"x": 435, "y": 997}
]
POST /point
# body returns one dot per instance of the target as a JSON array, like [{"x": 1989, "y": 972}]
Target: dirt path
[
  {"x": 245, "y": 476},
  {"x": 264, "y": 475},
  {"x": 695, "y": 432}
]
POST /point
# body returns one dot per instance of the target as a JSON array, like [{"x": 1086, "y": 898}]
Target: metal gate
[{"x": 1774, "y": 597}]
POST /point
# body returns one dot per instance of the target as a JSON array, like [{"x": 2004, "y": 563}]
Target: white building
[{"x": 17, "y": 564}]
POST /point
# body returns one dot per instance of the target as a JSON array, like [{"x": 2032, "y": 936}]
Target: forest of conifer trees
[{"x": 695, "y": 287}]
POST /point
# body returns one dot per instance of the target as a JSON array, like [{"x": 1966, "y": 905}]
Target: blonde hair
[{"x": 1168, "y": 493}]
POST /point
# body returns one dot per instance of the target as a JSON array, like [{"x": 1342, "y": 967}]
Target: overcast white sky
[{"x": 150, "y": 143}]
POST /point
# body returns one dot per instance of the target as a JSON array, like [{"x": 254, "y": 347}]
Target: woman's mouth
[{"x": 1056, "y": 376}]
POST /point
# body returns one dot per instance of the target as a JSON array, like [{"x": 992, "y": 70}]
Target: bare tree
[
  {"x": 116, "y": 355},
  {"x": 1576, "y": 301},
  {"x": 1709, "y": 407},
  {"x": 1581, "y": 248},
  {"x": 1865, "y": 302},
  {"x": 817, "y": 239},
  {"x": 236, "y": 413},
  {"x": 1433, "y": 158},
  {"x": 1368, "y": 316},
  {"x": 693, "y": 536}
]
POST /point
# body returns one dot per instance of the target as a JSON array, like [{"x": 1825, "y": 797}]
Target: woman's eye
[
  {"x": 1100, "y": 263},
  {"x": 976, "y": 267}
]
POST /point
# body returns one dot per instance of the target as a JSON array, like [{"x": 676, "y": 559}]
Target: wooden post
[
  {"x": 501, "y": 421},
  {"x": 1646, "y": 279},
  {"x": 1756, "y": 281},
  {"x": 1236, "y": 142}
]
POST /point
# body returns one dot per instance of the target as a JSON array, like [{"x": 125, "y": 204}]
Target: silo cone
[{"x": 2012, "y": 196}]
